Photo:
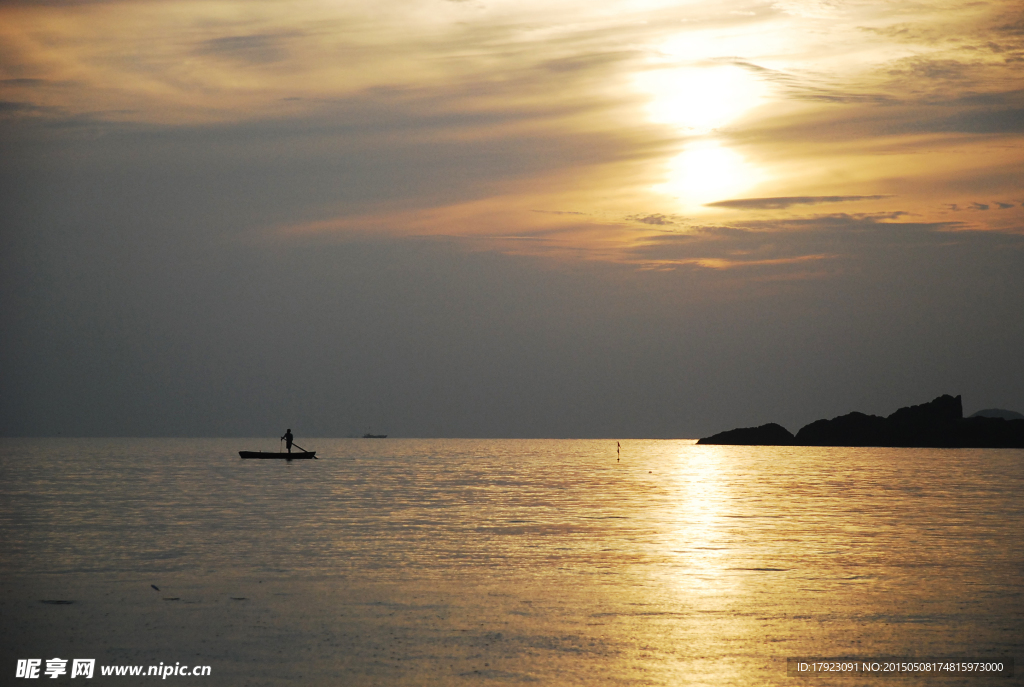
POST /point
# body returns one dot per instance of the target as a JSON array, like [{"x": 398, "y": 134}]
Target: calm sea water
[{"x": 549, "y": 560}]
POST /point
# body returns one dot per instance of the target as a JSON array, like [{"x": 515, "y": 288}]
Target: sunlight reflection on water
[{"x": 687, "y": 564}]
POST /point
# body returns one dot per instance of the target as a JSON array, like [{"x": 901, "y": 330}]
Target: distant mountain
[
  {"x": 998, "y": 412},
  {"x": 937, "y": 424}
]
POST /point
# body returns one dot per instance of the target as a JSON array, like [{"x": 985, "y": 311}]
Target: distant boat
[
  {"x": 375, "y": 436},
  {"x": 269, "y": 454}
]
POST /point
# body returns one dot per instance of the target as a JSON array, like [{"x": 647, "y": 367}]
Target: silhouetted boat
[
  {"x": 287, "y": 456},
  {"x": 375, "y": 436}
]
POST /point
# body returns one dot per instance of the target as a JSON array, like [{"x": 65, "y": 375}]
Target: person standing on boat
[{"x": 288, "y": 439}]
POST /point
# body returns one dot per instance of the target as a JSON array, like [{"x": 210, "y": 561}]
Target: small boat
[
  {"x": 375, "y": 436},
  {"x": 270, "y": 454}
]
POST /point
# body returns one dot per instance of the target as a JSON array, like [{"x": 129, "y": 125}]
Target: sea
[{"x": 509, "y": 562}]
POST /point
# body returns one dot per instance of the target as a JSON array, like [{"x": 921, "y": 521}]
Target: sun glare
[
  {"x": 707, "y": 171},
  {"x": 700, "y": 99}
]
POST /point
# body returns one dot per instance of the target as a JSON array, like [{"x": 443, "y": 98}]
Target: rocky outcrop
[
  {"x": 765, "y": 435},
  {"x": 852, "y": 429},
  {"x": 937, "y": 424},
  {"x": 990, "y": 432},
  {"x": 929, "y": 424}
]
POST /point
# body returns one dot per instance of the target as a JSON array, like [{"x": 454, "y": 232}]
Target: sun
[
  {"x": 699, "y": 100},
  {"x": 706, "y": 171}
]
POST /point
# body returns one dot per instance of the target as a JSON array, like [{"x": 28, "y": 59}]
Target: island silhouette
[{"x": 937, "y": 424}]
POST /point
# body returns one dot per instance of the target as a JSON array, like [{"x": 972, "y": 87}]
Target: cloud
[
  {"x": 802, "y": 86},
  {"x": 790, "y": 244},
  {"x": 23, "y": 82},
  {"x": 656, "y": 219},
  {"x": 256, "y": 49},
  {"x": 980, "y": 207},
  {"x": 787, "y": 201},
  {"x": 7, "y": 106},
  {"x": 503, "y": 106},
  {"x": 981, "y": 121}
]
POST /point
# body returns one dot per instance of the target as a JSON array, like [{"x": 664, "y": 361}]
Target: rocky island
[{"x": 938, "y": 424}]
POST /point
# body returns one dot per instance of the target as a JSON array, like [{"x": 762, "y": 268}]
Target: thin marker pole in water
[{"x": 618, "y": 451}]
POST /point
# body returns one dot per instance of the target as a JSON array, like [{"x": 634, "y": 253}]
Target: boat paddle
[{"x": 301, "y": 449}]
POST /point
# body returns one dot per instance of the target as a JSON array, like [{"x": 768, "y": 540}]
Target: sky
[{"x": 498, "y": 218}]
